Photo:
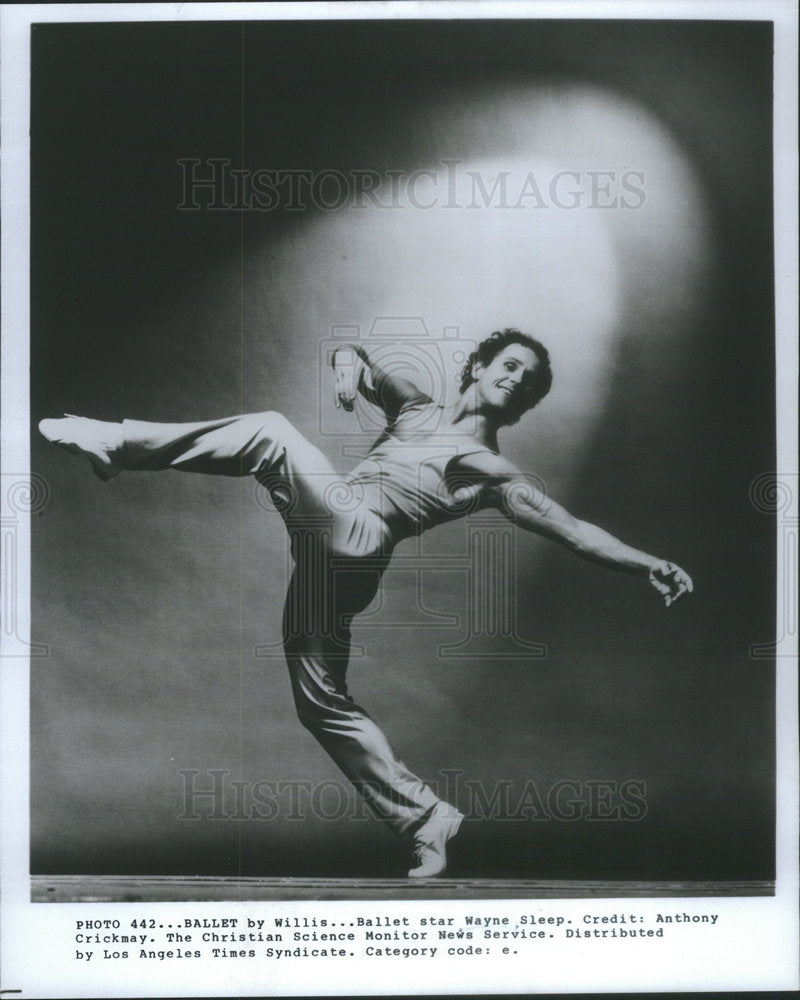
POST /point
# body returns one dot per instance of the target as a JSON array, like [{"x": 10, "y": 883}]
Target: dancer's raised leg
[{"x": 231, "y": 446}]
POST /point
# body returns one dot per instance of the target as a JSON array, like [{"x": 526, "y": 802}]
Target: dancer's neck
[{"x": 466, "y": 415}]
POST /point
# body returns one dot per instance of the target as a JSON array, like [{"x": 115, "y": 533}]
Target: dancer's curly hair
[{"x": 535, "y": 385}]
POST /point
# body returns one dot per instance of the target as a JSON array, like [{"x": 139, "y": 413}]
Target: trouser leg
[
  {"x": 316, "y": 642},
  {"x": 265, "y": 445},
  {"x": 232, "y": 446}
]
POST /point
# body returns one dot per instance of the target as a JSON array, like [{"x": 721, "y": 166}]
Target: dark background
[{"x": 153, "y": 591}]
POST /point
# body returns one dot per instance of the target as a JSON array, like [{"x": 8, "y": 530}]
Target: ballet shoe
[
  {"x": 430, "y": 841},
  {"x": 84, "y": 436}
]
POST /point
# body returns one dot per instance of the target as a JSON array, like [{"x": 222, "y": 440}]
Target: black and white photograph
[{"x": 407, "y": 516}]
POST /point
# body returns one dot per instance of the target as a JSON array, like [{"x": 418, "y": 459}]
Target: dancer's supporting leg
[{"x": 325, "y": 592}]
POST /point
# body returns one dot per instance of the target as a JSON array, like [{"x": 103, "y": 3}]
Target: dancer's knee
[
  {"x": 270, "y": 437},
  {"x": 317, "y": 702},
  {"x": 311, "y": 713},
  {"x": 269, "y": 424}
]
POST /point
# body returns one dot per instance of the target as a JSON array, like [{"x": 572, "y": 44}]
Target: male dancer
[{"x": 432, "y": 464}]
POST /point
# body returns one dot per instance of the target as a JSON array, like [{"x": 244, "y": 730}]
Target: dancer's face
[{"x": 500, "y": 385}]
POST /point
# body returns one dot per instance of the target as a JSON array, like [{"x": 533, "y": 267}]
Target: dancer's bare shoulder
[{"x": 500, "y": 482}]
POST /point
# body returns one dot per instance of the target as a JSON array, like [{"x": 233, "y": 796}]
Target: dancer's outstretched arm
[
  {"x": 355, "y": 372},
  {"x": 508, "y": 490}
]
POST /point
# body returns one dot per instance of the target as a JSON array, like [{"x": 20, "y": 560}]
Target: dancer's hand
[
  {"x": 348, "y": 369},
  {"x": 670, "y": 581}
]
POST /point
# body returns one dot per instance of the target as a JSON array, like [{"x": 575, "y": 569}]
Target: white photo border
[{"x": 762, "y": 932}]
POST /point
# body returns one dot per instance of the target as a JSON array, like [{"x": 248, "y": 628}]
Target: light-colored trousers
[{"x": 340, "y": 549}]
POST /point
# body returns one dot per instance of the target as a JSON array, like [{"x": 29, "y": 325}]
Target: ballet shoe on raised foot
[
  {"x": 84, "y": 436},
  {"x": 430, "y": 841}
]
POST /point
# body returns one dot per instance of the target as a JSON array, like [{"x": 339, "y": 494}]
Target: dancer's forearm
[
  {"x": 537, "y": 513},
  {"x": 534, "y": 511},
  {"x": 599, "y": 546}
]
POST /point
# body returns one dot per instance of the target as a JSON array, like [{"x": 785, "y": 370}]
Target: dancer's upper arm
[
  {"x": 520, "y": 497},
  {"x": 500, "y": 484},
  {"x": 391, "y": 392}
]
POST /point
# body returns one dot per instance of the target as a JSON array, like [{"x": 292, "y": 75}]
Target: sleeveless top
[{"x": 407, "y": 478}]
